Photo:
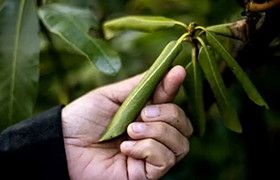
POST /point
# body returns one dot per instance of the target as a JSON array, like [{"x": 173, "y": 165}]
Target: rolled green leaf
[
  {"x": 69, "y": 23},
  {"x": 199, "y": 113},
  {"x": 19, "y": 61},
  {"x": 2, "y": 2},
  {"x": 213, "y": 75},
  {"x": 134, "y": 103},
  {"x": 138, "y": 23},
  {"x": 193, "y": 86},
  {"x": 237, "y": 30},
  {"x": 241, "y": 76}
]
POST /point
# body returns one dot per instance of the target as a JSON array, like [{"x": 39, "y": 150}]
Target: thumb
[
  {"x": 165, "y": 91},
  {"x": 169, "y": 86},
  {"x": 118, "y": 92}
]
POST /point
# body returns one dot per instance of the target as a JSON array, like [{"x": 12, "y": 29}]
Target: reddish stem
[{"x": 256, "y": 7}]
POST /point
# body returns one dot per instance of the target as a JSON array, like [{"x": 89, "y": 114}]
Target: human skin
[{"x": 153, "y": 144}]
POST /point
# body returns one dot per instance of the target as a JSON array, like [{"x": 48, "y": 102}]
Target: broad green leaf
[
  {"x": 248, "y": 86},
  {"x": 19, "y": 61},
  {"x": 2, "y": 2},
  {"x": 68, "y": 23},
  {"x": 82, "y": 16},
  {"x": 193, "y": 86},
  {"x": 138, "y": 23},
  {"x": 213, "y": 75}
]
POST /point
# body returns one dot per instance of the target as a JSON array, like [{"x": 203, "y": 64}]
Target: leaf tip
[
  {"x": 105, "y": 137},
  {"x": 266, "y": 106},
  {"x": 237, "y": 128}
]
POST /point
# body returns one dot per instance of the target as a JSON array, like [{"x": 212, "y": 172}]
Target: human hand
[{"x": 152, "y": 145}]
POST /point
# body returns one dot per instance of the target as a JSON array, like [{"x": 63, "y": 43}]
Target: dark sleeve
[{"x": 34, "y": 148}]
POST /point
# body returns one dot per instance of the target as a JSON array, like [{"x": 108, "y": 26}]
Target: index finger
[{"x": 169, "y": 113}]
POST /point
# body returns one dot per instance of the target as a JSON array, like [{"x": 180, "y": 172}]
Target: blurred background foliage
[{"x": 220, "y": 154}]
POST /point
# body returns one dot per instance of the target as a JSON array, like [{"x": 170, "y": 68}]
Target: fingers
[
  {"x": 169, "y": 87},
  {"x": 165, "y": 123},
  {"x": 159, "y": 159},
  {"x": 163, "y": 133},
  {"x": 170, "y": 114},
  {"x": 136, "y": 169}
]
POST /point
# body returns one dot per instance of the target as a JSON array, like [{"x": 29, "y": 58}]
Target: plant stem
[
  {"x": 200, "y": 41},
  {"x": 183, "y": 37},
  {"x": 183, "y": 25},
  {"x": 256, "y": 7}
]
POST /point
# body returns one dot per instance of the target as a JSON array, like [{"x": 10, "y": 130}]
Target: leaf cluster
[{"x": 204, "y": 64}]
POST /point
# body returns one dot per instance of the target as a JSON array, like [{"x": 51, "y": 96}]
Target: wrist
[{"x": 65, "y": 122}]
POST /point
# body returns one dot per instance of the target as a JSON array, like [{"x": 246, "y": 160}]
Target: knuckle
[
  {"x": 153, "y": 174},
  {"x": 149, "y": 143},
  {"x": 182, "y": 148},
  {"x": 171, "y": 162},
  {"x": 146, "y": 147},
  {"x": 185, "y": 147},
  {"x": 190, "y": 128},
  {"x": 160, "y": 130},
  {"x": 175, "y": 111}
]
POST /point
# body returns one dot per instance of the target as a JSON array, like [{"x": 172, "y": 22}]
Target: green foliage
[
  {"x": 2, "y": 2},
  {"x": 213, "y": 75},
  {"x": 199, "y": 114},
  {"x": 68, "y": 23},
  {"x": 66, "y": 73},
  {"x": 19, "y": 61},
  {"x": 221, "y": 29},
  {"x": 248, "y": 86},
  {"x": 19, "y": 51},
  {"x": 193, "y": 87},
  {"x": 207, "y": 63},
  {"x": 138, "y": 23}
]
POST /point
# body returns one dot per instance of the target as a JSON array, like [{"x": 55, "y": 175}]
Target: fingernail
[
  {"x": 138, "y": 127},
  {"x": 151, "y": 111},
  {"x": 127, "y": 144}
]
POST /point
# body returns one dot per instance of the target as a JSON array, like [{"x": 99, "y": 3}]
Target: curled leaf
[
  {"x": 133, "y": 104},
  {"x": 193, "y": 86},
  {"x": 241, "y": 76},
  {"x": 213, "y": 75},
  {"x": 138, "y": 23}
]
